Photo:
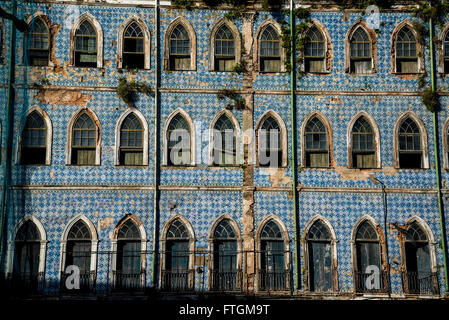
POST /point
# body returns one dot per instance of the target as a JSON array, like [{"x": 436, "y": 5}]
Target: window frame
[
  {"x": 99, "y": 39},
  {"x": 193, "y": 43},
  {"x": 145, "y": 136},
  {"x": 419, "y": 49},
  {"x": 212, "y": 42},
  {"x": 304, "y": 150},
  {"x": 257, "y": 47},
  {"x": 373, "y": 48},
  {"x": 237, "y": 137},
  {"x": 30, "y": 22},
  {"x": 147, "y": 45}
]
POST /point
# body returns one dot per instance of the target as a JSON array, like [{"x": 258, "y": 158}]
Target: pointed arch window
[
  {"x": 368, "y": 254},
  {"x": 179, "y": 144},
  {"x": 84, "y": 141},
  {"x": 179, "y": 49},
  {"x": 319, "y": 257},
  {"x": 225, "y": 275},
  {"x": 270, "y": 143},
  {"x": 38, "y": 50},
  {"x": 176, "y": 274},
  {"x": 410, "y": 147},
  {"x": 314, "y": 53},
  {"x": 360, "y": 52},
  {"x": 272, "y": 275},
  {"x": 85, "y": 51},
  {"x": 26, "y": 277},
  {"x": 316, "y": 144},
  {"x": 363, "y": 144},
  {"x": 225, "y": 142},
  {"x": 78, "y": 253},
  {"x": 419, "y": 275},
  {"x": 446, "y": 52},
  {"x": 128, "y": 275},
  {"x": 406, "y": 51},
  {"x": 131, "y": 141},
  {"x": 270, "y": 50},
  {"x": 133, "y": 47},
  {"x": 224, "y": 49},
  {"x": 34, "y": 140}
]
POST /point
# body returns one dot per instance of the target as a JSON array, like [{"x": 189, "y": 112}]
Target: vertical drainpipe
[
  {"x": 7, "y": 155},
  {"x": 156, "y": 146},
  {"x": 293, "y": 144},
  {"x": 437, "y": 160}
]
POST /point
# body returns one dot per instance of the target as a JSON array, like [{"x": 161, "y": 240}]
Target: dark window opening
[
  {"x": 363, "y": 145},
  {"x": 224, "y": 152},
  {"x": 179, "y": 49},
  {"x": 410, "y": 151},
  {"x": 178, "y": 137},
  {"x": 85, "y": 45},
  {"x": 320, "y": 258},
  {"x": 316, "y": 144},
  {"x": 84, "y": 141},
  {"x": 38, "y": 50},
  {"x": 34, "y": 140},
  {"x": 270, "y": 144},
  {"x": 133, "y": 47},
  {"x": 270, "y": 54},
  {"x": 131, "y": 142}
]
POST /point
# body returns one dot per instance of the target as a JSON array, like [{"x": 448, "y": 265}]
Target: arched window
[
  {"x": 85, "y": 50},
  {"x": 270, "y": 143},
  {"x": 128, "y": 275},
  {"x": 446, "y": 53},
  {"x": 179, "y": 49},
  {"x": 38, "y": 50},
  {"x": 131, "y": 141},
  {"x": 314, "y": 53},
  {"x": 272, "y": 275},
  {"x": 363, "y": 144},
  {"x": 410, "y": 147},
  {"x": 179, "y": 144},
  {"x": 34, "y": 140},
  {"x": 320, "y": 257},
  {"x": 26, "y": 258},
  {"x": 78, "y": 253},
  {"x": 84, "y": 140},
  {"x": 368, "y": 254},
  {"x": 270, "y": 50},
  {"x": 316, "y": 144},
  {"x": 225, "y": 148},
  {"x": 406, "y": 53},
  {"x": 419, "y": 276},
  {"x": 225, "y": 275},
  {"x": 360, "y": 52},
  {"x": 133, "y": 47},
  {"x": 175, "y": 277},
  {"x": 224, "y": 49}
]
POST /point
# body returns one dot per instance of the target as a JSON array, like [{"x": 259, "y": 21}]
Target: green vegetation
[{"x": 127, "y": 90}]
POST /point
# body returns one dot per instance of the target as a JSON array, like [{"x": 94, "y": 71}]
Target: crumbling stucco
[{"x": 63, "y": 97}]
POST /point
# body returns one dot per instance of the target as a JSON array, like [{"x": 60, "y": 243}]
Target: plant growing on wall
[
  {"x": 238, "y": 101},
  {"x": 127, "y": 90},
  {"x": 429, "y": 99}
]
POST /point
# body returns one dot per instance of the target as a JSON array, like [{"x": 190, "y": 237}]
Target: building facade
[{"x": 101, "y": 184}]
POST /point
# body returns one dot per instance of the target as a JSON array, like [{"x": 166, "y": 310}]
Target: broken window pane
[{"x": 34, "y": 140}]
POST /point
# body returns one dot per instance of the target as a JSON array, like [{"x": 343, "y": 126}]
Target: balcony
[
  {"x": 273, "y": 281},
  {"x": 26, "y": 282},
  {"x": 86, "y": 283},
  {"x": 128, "y": 281},
  {"x": 176, "y": 281},
  {"x": 365, "y": 283},
  {"x": 421, "y": 282},
  {"x": 226, "y": 281}
]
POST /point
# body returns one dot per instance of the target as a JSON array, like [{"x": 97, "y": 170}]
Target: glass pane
[{"x": 320, "y": 264}]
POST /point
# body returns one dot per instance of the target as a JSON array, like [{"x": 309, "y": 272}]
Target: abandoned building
[{"x": 92, "y": 180}]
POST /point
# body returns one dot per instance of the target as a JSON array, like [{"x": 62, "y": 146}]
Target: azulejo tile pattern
[{"x": 105, "y": 194}]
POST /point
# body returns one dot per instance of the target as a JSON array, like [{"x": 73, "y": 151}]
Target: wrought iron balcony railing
[
  {"x": 26, "y": 282},
  {"x": 128, "y": 281},
  {"x": 421, "y": 282},
  {"x": 273, "y": 281},
  {"x": 87, "y": 282},
  {"x": 371, "y": 283},
  {"x": 177, "y": 280},
  {"x": 226, "y": 281}
]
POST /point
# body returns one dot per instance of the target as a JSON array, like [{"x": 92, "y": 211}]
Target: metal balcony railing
[
  {"x": 226, "y": 281},
  {"x": 367, "y": 283},
  {"x": 128, "y": 281},
  {"x": 176, "y": 280},
  {"x": 26, "y": 282},
  {"x": 86, "y": 283},
  {"x": 273, "y": 281},
  {"x": 421, "y": 282}
]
